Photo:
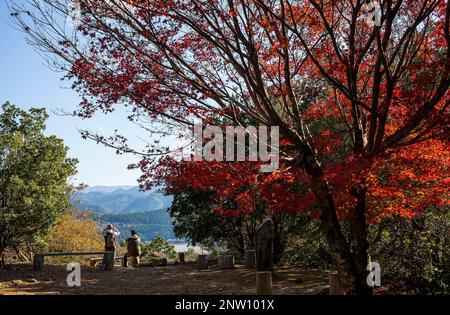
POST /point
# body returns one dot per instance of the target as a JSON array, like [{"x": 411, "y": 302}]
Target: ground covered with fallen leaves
[{"x": 174, "y": 279}]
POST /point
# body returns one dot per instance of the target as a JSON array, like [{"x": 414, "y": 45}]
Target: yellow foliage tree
[{"x": 76, "y": 232}]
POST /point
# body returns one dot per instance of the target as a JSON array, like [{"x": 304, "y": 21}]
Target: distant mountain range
[
  {"x": 120, "y": 199},
  {"x": 128, "y": 209}
]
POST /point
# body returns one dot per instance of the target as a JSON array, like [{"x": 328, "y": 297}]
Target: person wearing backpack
[
  {"x": 110, "y": 234},
  {"x": 134, "y": 249}
]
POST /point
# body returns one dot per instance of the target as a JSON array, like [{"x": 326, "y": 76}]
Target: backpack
[{"x": 109, "y": 240}]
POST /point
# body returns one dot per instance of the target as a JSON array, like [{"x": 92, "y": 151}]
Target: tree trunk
[
  {"x": 20, "y": 255},
  {"x": 360, "y": 245},
  {"x": 338, "y": 247},
  {"x": 351, "y": 271},
  {"x": 2, "y": 249},
  {"x": 350, "y": 264},
  {"x": 279, "y": 240}
]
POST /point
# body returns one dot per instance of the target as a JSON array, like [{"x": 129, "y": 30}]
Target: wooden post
[
  {"x": 125, "y": 261},
  {"x": 264, "y": 246},
  {"x": 109, "y": 260},
  {"x": 181, "y": 258},
  {"x": 225, "y": 262},
  {"x": 202, "y": 262},
  {"x": 335, "y": 284},
  {"x": 38, "y": 262},
  {"x": 264, "y": 283},
  {"x": 250, "y": 259}
]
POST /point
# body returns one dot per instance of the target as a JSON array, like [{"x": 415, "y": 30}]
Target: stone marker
[
  {"x": 159, "y": 262},
  {"x": 109, "y": 260},
  {"x": 181, "y": 258},
  {"x": 250, "y": 259},
  {"x": 335, "y": 284},
  {"x": 264, "y": 245},
  {"x": 225, "y": 262},
  {"x": 38, "y": 262},
  {"x": 202, "y": 262},
  {"x": 264, "y": 283}
]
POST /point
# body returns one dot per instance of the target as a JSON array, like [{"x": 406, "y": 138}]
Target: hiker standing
[
  {"x": 134, "y": 249},
  {"x": 110, "y": 234}
]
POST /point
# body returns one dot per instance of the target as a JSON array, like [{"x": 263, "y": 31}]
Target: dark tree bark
[
  {"x": 279, "y": 237},
  {"x": 350, "y": 274},
  {"x": 359, "y": 241}
]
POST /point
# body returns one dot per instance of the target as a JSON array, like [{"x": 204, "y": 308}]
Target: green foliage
[
  {"x": 159, "y": 245},
  {"x": 416, "y": 252},
  {"x": 413, "y": 254},
  {"x": 191, "y": 255},
  {"x": 194, "y": 219},
  {"x": 307, "y": 246},
  {"x": 33, "y": 177}
]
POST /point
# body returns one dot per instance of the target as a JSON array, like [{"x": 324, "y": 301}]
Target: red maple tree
[{"x": 362, "y": 108}]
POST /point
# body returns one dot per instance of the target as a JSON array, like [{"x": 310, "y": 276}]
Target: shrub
[
  {"x": 307, "y": 247},
  {"x": 415, "y": 253},
  {"x": 159, "y": 245},
  {"x": 190, "y": 255}
]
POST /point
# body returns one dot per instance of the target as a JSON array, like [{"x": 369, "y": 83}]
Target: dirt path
[{"x": 186, "y": 279}]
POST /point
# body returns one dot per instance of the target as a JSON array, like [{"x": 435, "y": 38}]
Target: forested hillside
[
  {"x": 148, "y": 224},
  {"x": 128, "y": 208}
]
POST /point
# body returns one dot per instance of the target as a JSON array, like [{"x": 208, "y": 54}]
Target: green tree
[
  {"x": 194, "y": 219},
  {"x": 159, "y": 245},
  {"x": 34, "y": 169}
]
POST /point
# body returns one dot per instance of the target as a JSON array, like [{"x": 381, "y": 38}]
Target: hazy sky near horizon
[{"x": 26, "y": 82}]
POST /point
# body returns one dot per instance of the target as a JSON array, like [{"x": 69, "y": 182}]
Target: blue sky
[{"x": 26, "y": 82}]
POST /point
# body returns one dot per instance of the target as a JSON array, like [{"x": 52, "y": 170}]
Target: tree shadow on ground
[{"x": 181, "y": 279}]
